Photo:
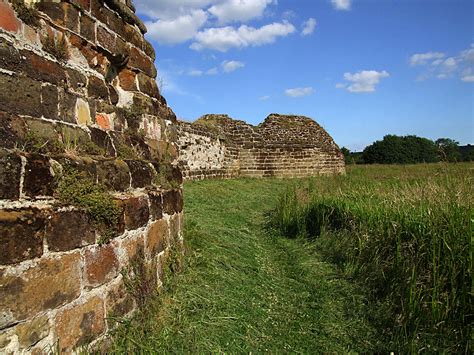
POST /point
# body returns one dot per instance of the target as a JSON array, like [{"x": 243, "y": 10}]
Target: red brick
[
  {"x": 101, "y": 265},
  {"x": 78, "y": 325},
  {"x": 48, "y": 284},
  {"x": 8, "y": 20}
]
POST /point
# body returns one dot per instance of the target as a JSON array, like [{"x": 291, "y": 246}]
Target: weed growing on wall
[
  {"x": 57, "y": 47},
  {"x": 77, "y": 190},
  {"x": 28, "y": 14}
]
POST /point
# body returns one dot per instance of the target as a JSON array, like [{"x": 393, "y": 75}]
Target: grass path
[{"x": 244, "y": 290}]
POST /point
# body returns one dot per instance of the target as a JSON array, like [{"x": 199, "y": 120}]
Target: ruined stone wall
[
  {"x": 90, "y": 191},
  {"x": 282, "y": 146}
]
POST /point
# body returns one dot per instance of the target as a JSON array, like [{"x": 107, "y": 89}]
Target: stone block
[
  {"x": 114, "y": 174},
  {"x": 102, "y": 139},
  {"x": 172, "y": 201},
  {"x": 20, "y": 95},
  {"x": 8, "y": 20},
  {"x": 67, "y": 230},
  {"x": 38, "y": 181},
  {"x": 156, "y": 205},
  {"x": 175, "y": 228},
  {"x": 62, "y": 14},
  {"x": 100, "y": 265},
  {"x": 134, "y": 248},
  {"x": 132, "y": 35},
  {"x": 136, "y": 212},
  {"x": 157, "y": 239},
  {"x": 97, "y": 88},
  {"x": 106, "y": 39},
  {"x": 113, "y": 95},
  {"x": 10, "y": 175},
  {"x": 50, "y": 101},
  {"x": 48, "y": 284},
  {"x": 75, "y": 80},
  {"x": 148, "y": 85},
  {"x": 21, "y": 235},
  {"x": 139, "y": 60},
  {"x": 82, "y": 112},
  {"x": 118, "y": 301},
  {"x": 127, "y": 80},
  {"x": 142, "y": 174},
  {"x": 104, "y": 121},
  {"x": 149, "y": 50},
  {"x": 31, "y": 332},
  {"x": 80, "y": 324},
  {"x": 9, "y": 55},
  {"x": 42, "y": 69},
  {"x": 88, "y": 30}
]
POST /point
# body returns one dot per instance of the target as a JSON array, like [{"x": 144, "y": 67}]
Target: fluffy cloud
[
  {"x": 363, "y": 81},
  {"x": 177, "y": 30},
  {"x": 436, "y": 65},
  {"x": 225, "y": 38},
  {"x": 299, "y": 92},
  {"x": 424, "y": 58},
  {"x": 308, "y": 27},
  {"x": 170, "y": 9},
  {"x": 229, "y": 66},
  {"x": 239, "y": 10},
  {"x": 264, "y": 98},
  {"x": 212, "y": 71},
  {"x": 468, "y": 78},
  {"x": 341, "y": 4}
]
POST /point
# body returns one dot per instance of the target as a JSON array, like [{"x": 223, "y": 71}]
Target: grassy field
[{"x": 378, "y": 260}]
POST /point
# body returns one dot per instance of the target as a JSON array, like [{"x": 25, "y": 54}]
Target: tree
[
  {"x": 448, "y": 149},
  {"x": 401, "y": 150},
  {"x": 347, "y": 155}
]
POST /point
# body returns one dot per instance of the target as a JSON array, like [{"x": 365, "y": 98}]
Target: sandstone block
[
  {"x": 118, "y": 301},
  {"x": 8, "y": 20},
  {"x": 21, "y": 235},
  {"x": 85, "y": 5},
  {"x": 114, "y": 174},
  {"x": 75, "y": 80},
  {"x": 10, "y": 174},
  {"x": 156, "y": 205},
  {"x": 127, "y": 80},
  {"x": 52, "y": 282},
  {"x": 82, "y": 112},
  {"x": 172, "y": 201},
  {"x": 104, "y": 121},
  {"x": 97, "y": 88},
  {"x": 67, "y": 230},
  {"x": 106, "y": 39},
  {"x": 80, "y": 324},
  {"x": 101, "y": 139},
  {"x": 157, "y": 238},
  {"x": 20, "y": 95},
  {"x": 136, "y": 212},
  {"x": 38, "y": 180},
  {"x": 101, "y": 265},
  {"x": 32, "y": 332},
  {"x": 49, "y": 101},
  {"x": 138, "y": 60},
  {"x": 88, "y": 28},
  {"x": 148, "y": 85},
  {"x": 42, "y": 69},
  {"x": 142, "y": 174},
  {"x": 9, "y": 55}
]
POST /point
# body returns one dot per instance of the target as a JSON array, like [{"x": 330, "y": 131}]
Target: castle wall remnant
[
  {"x": 90, "y": 192},
  {"x": 216, "y": 146}
]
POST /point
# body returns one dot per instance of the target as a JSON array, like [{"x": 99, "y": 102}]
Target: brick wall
[
  {"x": 282, "y": 146},
  {"x": 78, "y": 97}
]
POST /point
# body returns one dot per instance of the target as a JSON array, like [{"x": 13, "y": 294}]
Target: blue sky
[{"x": 360, "y": 68}]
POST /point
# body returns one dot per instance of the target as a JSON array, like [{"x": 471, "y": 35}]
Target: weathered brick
[
  {"x": 106, "y": 39},
  {"x": 20, "y": 95},
  {"x": 21, "y": 235},
  {"x": 75, "y": 80},
  {"x": 172, "y": 201},
  {"x": 50, "y": 101},
  {"x": 141, "y": 173},
  {"x": 114, "y": 174},
  {"x": 38, "y": 180},
  {"x": 148, "y": 85},
  {"x": 42, "y": 69},
  {"x": 101, "y": 265},
  {"x": 10, "y": 175},
  {"x": 8, "y": 20},
  {"x": 9, "y": 55},
  {"x": 127, "y": 80},
  {"x": 67, "y": 230},
  {"x": 78, "y": 325},
  {"x": 139, "y": 60},
  {"x": 88, "y": 30},
  {"x": 156, "y": 205},
  {"x": 48, "y": 284},
  {"x": 101, "y": 12},
  {"x": 118, "y": 301},
  {"x": 136, "y": 212},
  {"x": 97, "y": 88},
  {"x": 157, "y": 238},
  {"x": 62, "y": 14}
]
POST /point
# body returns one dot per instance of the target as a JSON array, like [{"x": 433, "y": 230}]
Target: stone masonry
[
  {"x": 216, "y": 146},
  {"x": 78, "y": 97}
]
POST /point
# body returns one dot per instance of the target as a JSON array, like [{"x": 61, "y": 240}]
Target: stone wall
[
  {"x": 282, "y": 146},
  {"x": 90, "y": 192}
]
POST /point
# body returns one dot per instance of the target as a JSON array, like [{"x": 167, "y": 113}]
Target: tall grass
[{"x": 406, "y": 234}]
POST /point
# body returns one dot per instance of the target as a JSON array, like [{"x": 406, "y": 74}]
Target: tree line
[{"x": 410, "y": 149}]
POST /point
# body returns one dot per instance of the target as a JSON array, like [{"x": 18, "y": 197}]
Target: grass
[
  {"x": 404, "y": 233},
  {"x": 244, "y": 289}
]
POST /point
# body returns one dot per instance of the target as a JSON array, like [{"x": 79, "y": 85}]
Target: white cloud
[
  {"x": 364, "y": 81},
  {"x": 229, "y": 66},
  {"x": 299, "y": 92},
  {"x": 264, "y": 98},
  {"x": 341, "y": 86},
  {"x": 170, "y": 9},
  {"x": 212, "y": 71},
  {"x": 341, "y": 4},
  {"x": 195, "y": 72},
  {"x": 468, "y": 78},
  {"x": 239, "y": 10},
  {"x": 424, "y": 58},
  {"x": 225, "y": 38},
  {"x": 177, "y": 30},
  {"x": 309, "y": 26}
]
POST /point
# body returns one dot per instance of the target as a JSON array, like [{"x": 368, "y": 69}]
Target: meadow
[{"x": 378, "y": 260}]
